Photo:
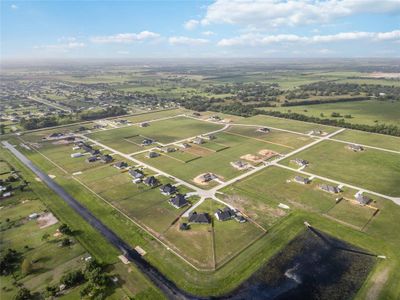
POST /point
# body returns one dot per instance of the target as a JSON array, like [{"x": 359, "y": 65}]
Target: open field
[
  {"x": 164, "y": 131},
  {"x": 334, "y": 160},
  {"x": 368, "y": 112},
  {"x": 370, "y": 139},
  {"x": 215, "y": 162},
  {"x": 293, "y": 125}
]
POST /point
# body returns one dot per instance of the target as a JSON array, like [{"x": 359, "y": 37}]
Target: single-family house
[
  {"x": 144, "y": 124},
  {"x": 239, "y": 164},
  {"x": 147, "y": 142},
  {"x": 168, "y": 189},
  {"x": 178, "y": 201},
  {"x": 120, "y": 165},
  {"x": 184, "y": 145},
  {"x": 329, "y": 188},
  {"x": 91, "y": 159},
  {"x": 206, "y": 177},
  {"x": 355, "y": 148},
  {"x": 263, "y": 130},
  {"x": 151, "y": 181},
  {"x": 198, "y": 141},
  {"x": 300, "y": 162},
  {"x": 199, "y": 218},
  {"x": 302, "y": 180},
  {"x": 196, "y": 114},
  {"x": 168, "y": 149},
  {"x": 106, "y": 158},
  {"x": 224, "y": 214},
  {"x": 209, "y": 137},
  {"x": 152, "y": 154},
  {"x": 361, "y": 199}
]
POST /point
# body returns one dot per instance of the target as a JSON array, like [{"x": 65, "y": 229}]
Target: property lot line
[
  {"x": 366, "y": 146},
  {"x": 168, "y": 247},
  {"x": 396, "y": 200},
  {"x": 261, "y": 140},
  {"x": 61, "y": 168},
  {"x": 168, "y": 287},
  {"x": 142, "y": 163}
]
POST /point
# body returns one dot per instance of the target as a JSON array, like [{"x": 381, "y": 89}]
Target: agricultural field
[
  {"x": 336, "y": 161},
  {"x": 368, "y": 112}
]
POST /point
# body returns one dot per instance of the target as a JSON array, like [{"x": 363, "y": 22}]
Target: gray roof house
[
  {"x": 91, "y": 159},
  {"x": 178, "y": 201},
  {"x": 152, "y": 154},
  {"x": 199, "y": 218},
  {"x": 120, "y": 165},
  {"x": 168, "y": 189},
  {"x": 329, "y": 188},
  {"x": 361, "y": 199},
  {"x": 300, "y": 162},
  {"x": 151, "y": 181},
  {"x": 302, "y": 180},
  {"x": 355, "y": 148},
  {"x": 208, "y": 177},
  {"x": 263, "y": 130},
  {"x": 198, "y": 141},
  {"x": 106, "y": 158},
  {"x": 147, "y": 142},
  {"x": 225, "y": 214}
]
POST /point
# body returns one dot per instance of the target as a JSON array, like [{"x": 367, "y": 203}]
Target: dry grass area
[{"x": 46, "y": 220}]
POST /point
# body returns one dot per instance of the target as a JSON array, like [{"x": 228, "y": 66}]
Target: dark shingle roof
[
  {"x": 202, "y": 218},
  {"x": 178, "y": 201}
]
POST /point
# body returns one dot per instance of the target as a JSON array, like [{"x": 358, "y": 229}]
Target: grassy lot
[
  {"x": 370, "y": 139},
  {"x": 293, "y": 125},
  {"x": 285, "y": 139},
  {"x": 165, "y": 131},
  {"x": 368, "y": 112},
  {"x": 216, "y": 162},
  {"x": 153, "y": 115},
  {"x": 371, "y": 169}
]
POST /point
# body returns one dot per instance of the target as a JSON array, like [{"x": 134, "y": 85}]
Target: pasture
[
  {"x": 369, "y": 112},
  {"x": 370, "y": 169},
  {"x": 287, "y": 124}
]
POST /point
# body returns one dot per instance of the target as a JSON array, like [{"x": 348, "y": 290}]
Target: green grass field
[
  {"x": 371, "y": 169},
  {"x": 370, "y": 139},
  {"x": 215, "y": 162},
  {"x": 293, "y": 125},
  {"x": 368, "y": 112}
]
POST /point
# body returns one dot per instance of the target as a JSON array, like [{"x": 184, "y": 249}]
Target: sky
[{"x": 199, "y": 29}]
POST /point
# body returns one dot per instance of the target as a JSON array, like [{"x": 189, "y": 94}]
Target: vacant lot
[
  {"x": 368, "y": 112},
  {"x": 370, "y": 139},
  {"x": 165, "y": 131},
  {"x": 293, "y": 125},
  {"x": 371, "y": 169}
]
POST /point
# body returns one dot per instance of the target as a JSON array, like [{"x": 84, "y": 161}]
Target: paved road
[
  {"x": 169, "y": 288},
  {"x": 48, "y": 103}
]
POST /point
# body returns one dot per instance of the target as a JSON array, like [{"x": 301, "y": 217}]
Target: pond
[{"x": 313, "y": 265}]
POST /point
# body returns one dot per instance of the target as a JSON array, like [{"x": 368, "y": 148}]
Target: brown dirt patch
[
  {"x": 199, "y": 151},
  {"x": 262, "y": 155},
  {"x": 46, "y": 220}
]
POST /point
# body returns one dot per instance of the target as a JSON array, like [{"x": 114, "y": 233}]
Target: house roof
[
  {"x": 151, "y": 180},
  {"x": 136, "y": 173},
  {"x": 301, "y": 179},
  {"x": 225, "y": 214},
  {"x": 202, "y": 218},
  {"x": 168, "y": 188},
  {"x": 329, "y": 188},
  {"x": 178, "y": 201},
  {"x": 362, "y": 199}
]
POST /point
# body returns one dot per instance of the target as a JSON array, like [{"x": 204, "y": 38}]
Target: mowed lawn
[
  {"x": 288, "y": 140},
  {"x": 287, "y": 124},
  {"x": 164, "y": 131},
  {"x": 211, "y": 161},
  {"x": 370, "y": 139},
  {"x": 362, "y": 112},
  {"x": 371, "y": 169},
  {"x": 260, "y": 194}
]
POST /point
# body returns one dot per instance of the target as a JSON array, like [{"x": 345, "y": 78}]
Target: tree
[
  {"x": 65, "y": 229},
  {"x": 72, "y": 278},
  {"x": 45, "y": 237},
  {"x": 23, "y": 294},
  {"x": 65, "y": 242}
]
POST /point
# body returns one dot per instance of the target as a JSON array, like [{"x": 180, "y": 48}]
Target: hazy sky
[{"x": 221, "y": 28}]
